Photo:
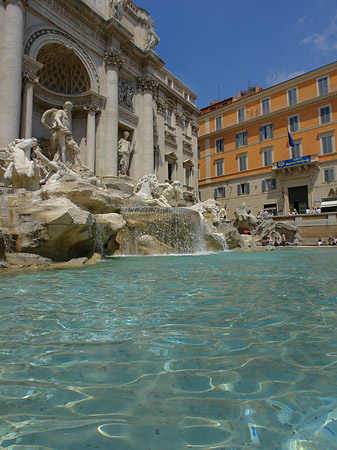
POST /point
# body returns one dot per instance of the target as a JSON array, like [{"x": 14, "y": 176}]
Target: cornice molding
[{"x": 266, "y": 118}]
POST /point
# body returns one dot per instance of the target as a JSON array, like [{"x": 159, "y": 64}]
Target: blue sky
[{"x": 217, "y": 47}]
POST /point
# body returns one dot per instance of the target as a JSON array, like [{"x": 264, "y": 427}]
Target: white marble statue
[
  {"x": 172, "y": 192},
  {"x": 117, "y": 8},
  {"x": 125, "y": 152},
  {"x": 153, "y": 38},
  {"x": 67, "y": 152},
  {"x": 20, "y": 170}
]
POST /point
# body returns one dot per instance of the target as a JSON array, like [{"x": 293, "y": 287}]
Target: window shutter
[
  {"x": 247, "y": 187},
  {"x": 239, "y": 189},
  {"x": 215, "y": 193},
  {"x": 264, "y": 188},
  {"x": 273, "y": 183},
  {"x": 245, "y": 138},
  {"x": 261, "y": 133},
  {"x": 237, "y": 140}
]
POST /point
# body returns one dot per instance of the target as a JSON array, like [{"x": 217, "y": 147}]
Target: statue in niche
[
  {"x": 152, "y": 39},
  {"x": 125, "y": 94},
  {"x": 20, "y": 170},
  {"x": 67, "y": 152},
  {"x": 125, "y": 153},
  {"x": 118, "y": 7}
]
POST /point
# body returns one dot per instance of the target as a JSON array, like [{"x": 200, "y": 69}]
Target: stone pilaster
[
  {"x": 108, "y": 159},
  {"x": 180, "y": 120},
  {"x": 30, "y": 69},
  {"x": 11, "y": 72},
  {"x": 92, "y": 110},
  {"x": 161, "y": 114},
  {"x": 148, "y": 88},
  {"x": 195, "y": 132}
]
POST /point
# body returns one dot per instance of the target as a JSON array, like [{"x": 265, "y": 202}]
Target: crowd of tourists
[
  {"x": 330, "y": 241},
  {"x": 278, "y": 241}
]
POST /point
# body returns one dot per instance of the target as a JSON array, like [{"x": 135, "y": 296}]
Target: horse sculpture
[{"x": 20, "y": 170}]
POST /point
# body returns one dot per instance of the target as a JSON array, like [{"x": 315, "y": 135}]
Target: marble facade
[{"x": 99, "y": 55}]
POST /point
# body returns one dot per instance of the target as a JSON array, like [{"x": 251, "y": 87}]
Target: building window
[
  {"x": 324, "y": 114},
  {"x": 219, "y": 145},
  {"x": 170, "y": 170},
  {"x": 218, "y": 123},
  {"x": 198, "y": 151},
  {"x": 188, "y": 176},
  {"x": 219, "y": 167},
  {"x": 266, "y": 132},
  {"x": 265, "y": 106},
  {"x": 243, "y": 188},
  {"x": 323, "y": 85},
  {"x": 241, "y": 114},
  {"x": 296, "y": 150},
  {"x": 269, "y": 185},
  {"x": 220, "y": 192},
  {"x": 243, "y": 162},
  {"x": 329, "y": 174},
  {"x": 292, "y": 96},
  {"x": 241, "y": 139},
  {"x": 169, "y": 117},
  {"x": 327, "y": 144},
  {"x": 267, "y": 156},
  {"x": 294, "y": 123}
]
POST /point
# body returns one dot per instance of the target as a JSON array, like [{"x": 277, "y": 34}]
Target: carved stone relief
[{"x": 126, "y": 94}]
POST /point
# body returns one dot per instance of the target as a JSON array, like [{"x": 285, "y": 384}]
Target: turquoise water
[{"x": 225, "y": 351}]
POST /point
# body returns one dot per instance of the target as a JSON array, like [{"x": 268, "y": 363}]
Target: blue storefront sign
[{"x": 293, "y": 162}]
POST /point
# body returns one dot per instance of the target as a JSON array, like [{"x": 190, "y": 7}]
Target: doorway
[{"x": 298, "y": 199}]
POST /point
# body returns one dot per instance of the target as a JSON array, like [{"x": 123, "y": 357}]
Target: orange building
[{"x": 247, "y": 156}]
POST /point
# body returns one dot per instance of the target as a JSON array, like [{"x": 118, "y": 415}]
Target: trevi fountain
[{"x": 133, "y": 325}]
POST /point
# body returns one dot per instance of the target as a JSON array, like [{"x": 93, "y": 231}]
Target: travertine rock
[{"x": 95, "y": 199}]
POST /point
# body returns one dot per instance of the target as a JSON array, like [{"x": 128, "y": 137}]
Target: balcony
[{"x": 287, "y": 166}]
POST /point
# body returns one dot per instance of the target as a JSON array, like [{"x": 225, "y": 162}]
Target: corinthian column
[
  {"x": 11, "y": 78},
  {"x": 27, "y": 105},
  {"x": 92, "y": 109},
  {"x": 147, "y": 87},
  {"x": 107, "y": 162}
]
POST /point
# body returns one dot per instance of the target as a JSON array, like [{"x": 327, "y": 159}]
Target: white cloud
[
  {"x": 280, "y": 76},
  {"x": 324, "y": 41}
]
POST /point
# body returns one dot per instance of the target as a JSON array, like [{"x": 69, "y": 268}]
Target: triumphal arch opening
[{"x": 130, "y": 116}]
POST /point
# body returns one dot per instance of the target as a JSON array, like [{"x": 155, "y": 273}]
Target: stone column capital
[
  {"x": 21, "y": 3},
  {"x": 194, "y": 127},
  {"x": 92, "y": 107},
  {"x": 180, "y": 118},
  {"x": 29, "y": 77},
  {"x": 113, "y": 60},
  {"x": 161, "y": 106},
  {"x": 147, "y": 84}
]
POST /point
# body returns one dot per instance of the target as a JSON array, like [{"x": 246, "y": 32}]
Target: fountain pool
[{"x": 229, "y": 351}]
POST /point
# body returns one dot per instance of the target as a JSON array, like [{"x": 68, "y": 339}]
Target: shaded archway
[{"x": 63, "y": 71}]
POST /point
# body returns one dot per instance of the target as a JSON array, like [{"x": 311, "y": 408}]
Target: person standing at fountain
[{"x": 125, "y": 152}]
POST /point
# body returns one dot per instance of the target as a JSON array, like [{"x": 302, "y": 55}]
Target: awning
[{"x": 329, "y": 204}]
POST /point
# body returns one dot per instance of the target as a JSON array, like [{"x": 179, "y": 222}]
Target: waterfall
[{"x": 161, "y": 231}]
